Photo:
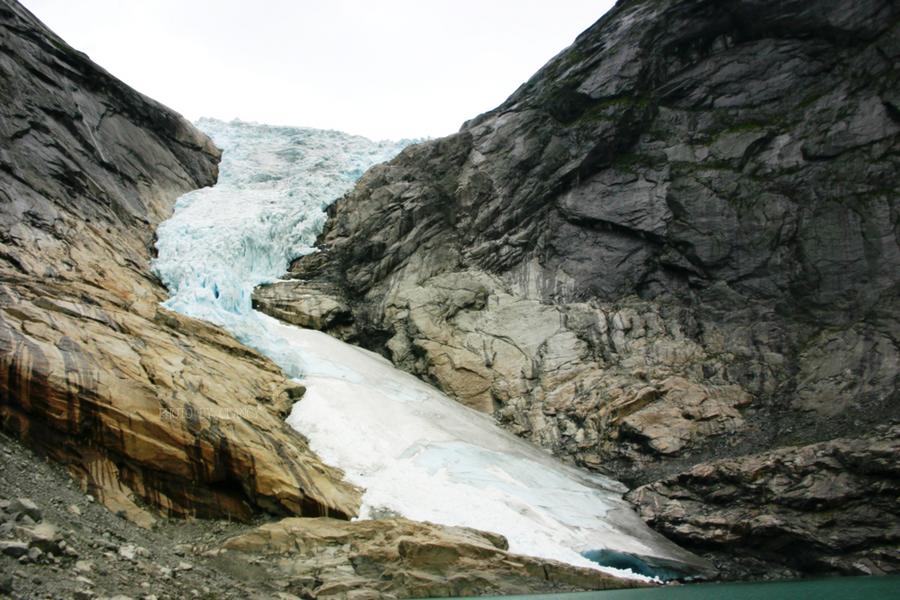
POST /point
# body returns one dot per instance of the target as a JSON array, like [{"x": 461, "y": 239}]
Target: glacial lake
[{"x": 836, "y": 588}]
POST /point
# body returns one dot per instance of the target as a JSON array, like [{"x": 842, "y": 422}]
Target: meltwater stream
[{"x": 414, "y": 451}]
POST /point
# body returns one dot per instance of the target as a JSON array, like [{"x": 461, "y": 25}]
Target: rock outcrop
[
  {"x": 144, "y": 405},
  {"x": 825, "y": 507},
  {"x": 676, "y": 243},
  {"x": 397, "y": 558},
  {"x": 304, "y": 305}
]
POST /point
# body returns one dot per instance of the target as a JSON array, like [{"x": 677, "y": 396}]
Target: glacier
[{"x": 414, "y": 451}]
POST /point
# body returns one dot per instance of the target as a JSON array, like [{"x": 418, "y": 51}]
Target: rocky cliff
[
  {"x": 155, "y": 413},
  {"x": 145, "y": 406},
  {"x": 676, "y": 243}
]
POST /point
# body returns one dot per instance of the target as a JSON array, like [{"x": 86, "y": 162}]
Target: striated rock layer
[
  {"x": 676, "y": 243},
  {"x": 826, "y": 506},
  {"x": 397, "y": 558},
  {"x": 146, "y": 406}
]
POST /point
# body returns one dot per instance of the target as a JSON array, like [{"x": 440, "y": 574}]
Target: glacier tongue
[{"x": 414, "y": 451}]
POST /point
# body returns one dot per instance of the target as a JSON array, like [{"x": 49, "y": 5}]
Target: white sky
[{"x": 382, "y": 68}]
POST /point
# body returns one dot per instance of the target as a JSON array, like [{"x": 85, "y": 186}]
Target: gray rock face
[
  {"x": 676, "y": 242},
  {"x": 829, "y": 506}
]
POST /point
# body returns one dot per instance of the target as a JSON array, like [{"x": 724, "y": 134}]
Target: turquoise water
[{"x": 837, "y": 588}]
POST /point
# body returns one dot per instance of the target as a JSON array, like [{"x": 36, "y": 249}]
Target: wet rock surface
[
  {"x": 148, "y": 408},
  {"x": 676, "y": 243}
]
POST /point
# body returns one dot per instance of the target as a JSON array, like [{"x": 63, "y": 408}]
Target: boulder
[
  {"x": 25, "y": 506},
  {"x": 12, "y": 548},
  {"x": 302, "y": 304}
]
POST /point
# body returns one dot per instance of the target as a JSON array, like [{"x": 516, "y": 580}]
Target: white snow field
[{"x": 415, "y": 452}]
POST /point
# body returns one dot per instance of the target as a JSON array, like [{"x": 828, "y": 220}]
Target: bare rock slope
[
  {"x": 676, "y": 243},
  {"x": 143, "y": 404}
]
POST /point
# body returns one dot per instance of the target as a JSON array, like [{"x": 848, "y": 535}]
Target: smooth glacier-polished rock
[
  {"x": 144, "y": 405},
  {"x": 397, "y": 558}
]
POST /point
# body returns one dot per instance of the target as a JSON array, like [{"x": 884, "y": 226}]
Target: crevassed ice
[{"x": 414, "y": 451}]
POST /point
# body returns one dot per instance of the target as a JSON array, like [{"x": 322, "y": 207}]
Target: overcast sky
[{"x": 380, "y": 68}]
